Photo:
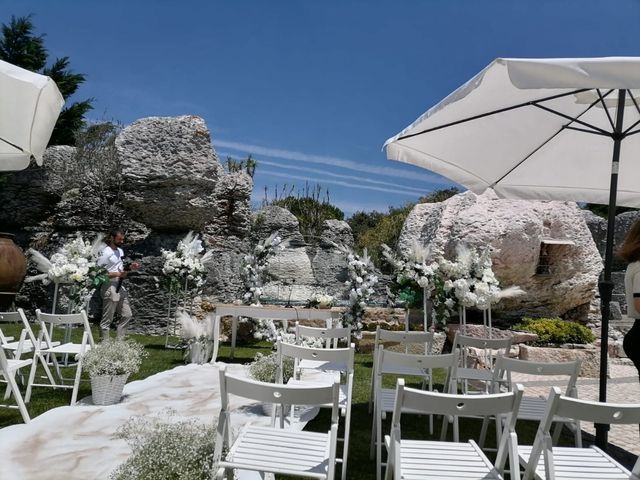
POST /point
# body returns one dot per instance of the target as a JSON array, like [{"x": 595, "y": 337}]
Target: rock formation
[{"x": 543, "y": 247}]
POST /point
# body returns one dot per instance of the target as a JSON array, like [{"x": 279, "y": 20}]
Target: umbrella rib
[
  {"x": 567, "y": 127},
  {"x": 560, "y": 114},
  {"x": 563, "y": 127},
  {"x": 12, "y": 144},
  {"x": 604, "y": 105},
  {"x": 638, "y": 109},
  {"x": 494, "y": 112}
]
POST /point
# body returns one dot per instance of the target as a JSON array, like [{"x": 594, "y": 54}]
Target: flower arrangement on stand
[
  {"x": 74, "y": 264},
  {"x": 184, "y": 274},
  {"x": 359, "y": 287},
  {"x": 254, "y": 268},
  {"x": 197, "y": 336},
  {"x": 320, "y": 300}
]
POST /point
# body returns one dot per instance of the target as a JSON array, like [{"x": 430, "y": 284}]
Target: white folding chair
[
  {"x": 487, "y": 350},
  {"x": 388, "y": 363},
  {"x": 544, "y": 461},
  {"x": 18, "y": 317},
  {"x": 533, "y": 408},
  {"x": 422, "y": 459},
  {"x": 8, "y": 369},
  {"x": 328, "y": 337},
  {"x": 50, "y": 325},
  {"x": 271, "y": 449},
  {"x": 402, "y": 338},
  {"x": 333, "y": 359}
]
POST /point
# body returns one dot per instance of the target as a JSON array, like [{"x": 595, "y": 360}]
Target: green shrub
[{"x": 555, "y": 330}]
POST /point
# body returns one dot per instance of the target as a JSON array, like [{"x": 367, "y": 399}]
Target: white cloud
[
  {"x": 332, "y": 161},
  {"x": 339, "y": 182}
]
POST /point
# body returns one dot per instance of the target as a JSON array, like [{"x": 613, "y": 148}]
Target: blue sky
[{"x": 312, "y": 89}]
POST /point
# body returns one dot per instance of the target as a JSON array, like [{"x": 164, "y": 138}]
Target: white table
[{"x": 271, "y": 312}]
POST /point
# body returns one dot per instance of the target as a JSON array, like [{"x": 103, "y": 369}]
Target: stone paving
[{"x": 622, "y": 387}]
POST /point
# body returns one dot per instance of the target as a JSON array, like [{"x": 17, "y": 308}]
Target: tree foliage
[
  {"x": 372, "y": 229},
  {"x": 309, "y": 206},
  {"x": 20, "y": 46}
]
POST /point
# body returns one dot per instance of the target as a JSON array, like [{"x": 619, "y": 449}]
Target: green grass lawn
[{"x": 360, "y": 465}]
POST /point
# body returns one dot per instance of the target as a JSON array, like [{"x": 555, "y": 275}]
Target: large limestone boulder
[
  {"x": 516, "y": 231},
  {"x": 170, "y": 172}
]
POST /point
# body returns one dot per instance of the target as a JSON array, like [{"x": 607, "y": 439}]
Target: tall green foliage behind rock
[
  {"x": 372, "y": 229},
  {"x": 311, "y": 209}
]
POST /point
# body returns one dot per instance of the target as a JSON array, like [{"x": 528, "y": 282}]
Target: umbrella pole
[{"x": 606, "y": 285}]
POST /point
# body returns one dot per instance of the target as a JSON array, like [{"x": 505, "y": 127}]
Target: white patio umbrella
[
  {"x": 545, "y": 129},
  {"x": 30, "y": 104}
]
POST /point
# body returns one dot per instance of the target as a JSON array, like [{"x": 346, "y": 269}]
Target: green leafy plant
[
  {"x": 165, "y": 449},
  {"x": 114, "y": 357},
  {"x": 555, "y": 331}
]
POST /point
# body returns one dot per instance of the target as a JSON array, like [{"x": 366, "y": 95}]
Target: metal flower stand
[{"x": 172, "y": 320}]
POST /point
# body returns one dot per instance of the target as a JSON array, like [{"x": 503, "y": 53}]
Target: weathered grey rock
[
  {"x": 224, "y": 283},
  {"x": 277, "y": 219},
  {"x": 515, "y": 230},
  {"x": 329, "y": 262},
  {"x": 589, "y": 355},
  {"x": 27, "y": 198},
  {"x": 170, "y": 172},
  {"x": 232, "y": 207}
]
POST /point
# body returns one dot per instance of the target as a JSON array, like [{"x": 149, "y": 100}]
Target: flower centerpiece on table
[
  {"x": 254, "y": 268},
  {"x": 320, "y": 300},
  {"x": 184, "y": 268},
  {"x": 74, "y": 264},
  {"x": 197, "y": 335}
]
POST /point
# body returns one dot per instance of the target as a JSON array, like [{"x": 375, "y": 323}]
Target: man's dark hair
[{"x": 113, "y": 233}]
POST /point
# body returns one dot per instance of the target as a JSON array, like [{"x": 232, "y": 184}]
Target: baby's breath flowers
[{"x": 114, "y": 357}]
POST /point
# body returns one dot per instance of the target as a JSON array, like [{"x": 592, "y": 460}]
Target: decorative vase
[
  {"x": 107, "y": 389},
  {"x": 199, "y": 352},
  {"x": 13, "y": 268}
]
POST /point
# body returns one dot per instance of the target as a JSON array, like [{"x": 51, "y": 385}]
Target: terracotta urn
[{"x": 13, "y": 268}]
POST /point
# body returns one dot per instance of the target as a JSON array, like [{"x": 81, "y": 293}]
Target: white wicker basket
[{"x": 106, "y": 389}]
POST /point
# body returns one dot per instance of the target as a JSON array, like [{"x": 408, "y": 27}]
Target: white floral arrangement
[
  {"x": 184, "y": 268},
  {"x": 266, "y": 329},
  {"x": 359, "y": 287},
  {"x": 74, "y": 263},
  {"x": 163, "y": 448},
  {"x": 320, "y": 300},
  {"x": 264, "y": 368},
  {"x": 114, "y": 357},
  {"x": 254, "y": 268}
]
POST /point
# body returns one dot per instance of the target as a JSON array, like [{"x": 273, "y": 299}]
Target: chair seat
[
  {"x": 287, "y": 452},
  {"x": 402, "y": 370},
  {"x": 16, "y": 364},
  {"x": 321, "y": 365},
  {"x": 533, "y": 408},
  {"x": 27, "y": 346},
  {"x": 578, "y": 463},
  {"x": 428, "y": 459},
  {"x": 70, "y": 348},
  {"x": 474, "y": 374}
]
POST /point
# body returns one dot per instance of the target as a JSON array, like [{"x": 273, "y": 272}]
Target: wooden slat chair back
[
  {"x": 403, "y": 338},
  {"x": 8, "y": 369},
  {"x": 490, "y": 348},
  {"x": 388, "y": 363},
  {"x": 544, "y": 461},
  {"x": 50, "y": 325},
  {"x": 533, "y": 408},
  {"x": 339, "y": 361},
  {"x": 413, "y": 459},
  {"x": 271, "y": 449}
]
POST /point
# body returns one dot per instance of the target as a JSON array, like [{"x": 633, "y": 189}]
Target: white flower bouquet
[
  {"x": 114, "y": 357},
  {"x": 184, "y": 268},
  {"x": 320, "y": 300},
  {"x": 359, "y": 287}
]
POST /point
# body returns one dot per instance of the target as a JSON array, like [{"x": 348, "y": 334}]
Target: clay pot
[{"x": 13, "y": 268}]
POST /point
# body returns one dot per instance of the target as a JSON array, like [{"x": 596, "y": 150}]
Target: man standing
[{"x": 115, "y": 298}]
